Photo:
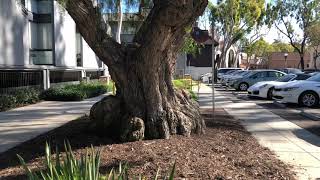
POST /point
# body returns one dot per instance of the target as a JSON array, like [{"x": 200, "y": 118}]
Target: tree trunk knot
[{"x": 133, "y": 130}]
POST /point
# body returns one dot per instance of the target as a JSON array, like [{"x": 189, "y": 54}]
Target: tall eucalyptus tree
[{"x": 234, "y": 19}]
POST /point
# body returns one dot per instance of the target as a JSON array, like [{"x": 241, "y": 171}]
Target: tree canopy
[
  {"x": 234, "y": 19},
  {"x": 314, "y": 41},
  {"x": 283, "y": 14}
]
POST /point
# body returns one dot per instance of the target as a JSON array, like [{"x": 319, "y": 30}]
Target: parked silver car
[
  {"x": 244, "y": 82},
  {"x": 225, "y": 79},
  {"x": 222, "y": 71}
]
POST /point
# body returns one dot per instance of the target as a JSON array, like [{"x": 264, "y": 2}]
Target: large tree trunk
[{"x": 146, "y": 106}]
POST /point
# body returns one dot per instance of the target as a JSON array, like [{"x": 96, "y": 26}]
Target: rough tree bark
[{"x": 146, "y": 105}]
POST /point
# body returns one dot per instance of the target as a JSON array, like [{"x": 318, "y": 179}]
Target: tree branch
[
  {"x": 93, "y": 29},
  {"x": 290, "y": 38},
  {"x": 167, "y": 23}
]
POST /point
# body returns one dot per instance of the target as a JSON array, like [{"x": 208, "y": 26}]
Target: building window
[
  {"x": 41, "y": 43},
  {"x": 39, "y": 14},
  {"x": 79, "y": 48},
  {"x": 23, "y": 3},
  {"x": 39, "y": 6}
]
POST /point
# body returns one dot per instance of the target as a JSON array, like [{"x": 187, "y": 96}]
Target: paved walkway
[
  {"x": 290, "y": 143},
  {"x": 22, "y": 124}
]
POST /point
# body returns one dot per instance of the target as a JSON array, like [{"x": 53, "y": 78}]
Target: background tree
[
  {"x": 116, "y": 8},
  {"x": 146, "y": 105},
  {"x": 279, "y": 46},
  {"x": 314, "y": 41},
  {"x": 259, "y": 48},
  {"x": 301, "y": 12},
  {"x": 262, "y": 48},
  {"x": 246, "y": 43},
  {"x": 234, "y": 19}
]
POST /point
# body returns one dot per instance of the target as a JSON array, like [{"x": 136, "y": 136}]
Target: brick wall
[{"x": 277, "y": 60}]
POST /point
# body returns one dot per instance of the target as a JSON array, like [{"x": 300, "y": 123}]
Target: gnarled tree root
[{"x": 109, "y": 118}]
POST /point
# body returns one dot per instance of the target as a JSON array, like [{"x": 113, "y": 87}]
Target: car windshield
[
  {"x": 294, "y": 71},
  {"x": 222, "y": 70},
  {"x": 231, "y": 72},
  {"x": 248, "y": 73},
  {"x": 243, "y": 72},
  {"x": 225, "y": 71},
  {"x": 314, "y": 73},
  {"x": 237, "y": 72},
  {"x": 286, "y": 78},
  {"x": 314, "y": 78}
]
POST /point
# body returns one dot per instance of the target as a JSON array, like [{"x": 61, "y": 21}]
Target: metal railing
[{"x": 14, "y": 80}]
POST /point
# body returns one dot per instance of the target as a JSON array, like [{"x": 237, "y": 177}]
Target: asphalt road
[{"x": 290, "y": 112}]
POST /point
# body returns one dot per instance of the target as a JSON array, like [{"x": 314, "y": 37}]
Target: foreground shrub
[
  {"x": 27, "y": 96},
  {"x": 7, "y": 102},
  {"x": 91, "y": 89},
  {"x": 76, "y": 92},
  {"x": 63, "y": 94},
  {"x": 68, "y": 167},
  {"x": 18, "y": 98}
]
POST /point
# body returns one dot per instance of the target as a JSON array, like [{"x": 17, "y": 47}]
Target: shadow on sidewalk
[
  {"x": 312, "y": 139},
  {"x": 76, "y": 132}
]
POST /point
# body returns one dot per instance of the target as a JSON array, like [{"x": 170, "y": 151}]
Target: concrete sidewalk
[
  {"x": 22, "y": 124},
  {"x": 290, "y": 143}
]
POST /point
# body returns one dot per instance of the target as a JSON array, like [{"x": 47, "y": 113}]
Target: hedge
[
  {"x": 20, "y": 97},
  {"x": 75, "y": 92}
]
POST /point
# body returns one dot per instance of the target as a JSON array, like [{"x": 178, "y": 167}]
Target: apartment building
[{"x": 40, "y": 46}]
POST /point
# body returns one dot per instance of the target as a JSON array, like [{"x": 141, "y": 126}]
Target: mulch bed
[{"x": 226, "y": 151}]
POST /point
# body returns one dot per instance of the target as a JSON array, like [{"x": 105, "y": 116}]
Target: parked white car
[
  {"x": 264, "y": 89},
  {"x": 304, "y": 93}
]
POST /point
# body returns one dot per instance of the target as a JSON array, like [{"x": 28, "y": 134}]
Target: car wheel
[
  {"x": 270, "y": 93},
  {"x": 243, "y": 86},
  {"x": 309, "y": 99}
]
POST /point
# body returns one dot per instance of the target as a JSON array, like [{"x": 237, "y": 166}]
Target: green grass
[{"x": 186, "y": 84}]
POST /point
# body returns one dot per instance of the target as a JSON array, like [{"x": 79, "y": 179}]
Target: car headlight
[
  {"x": 263, "y": 86},
  {"x": 290, "y": 88}
]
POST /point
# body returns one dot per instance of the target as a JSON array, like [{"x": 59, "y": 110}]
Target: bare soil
[{"x": 226, "y": 151}]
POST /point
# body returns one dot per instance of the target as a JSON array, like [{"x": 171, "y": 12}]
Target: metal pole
[
  {"x": 285, "y": 60},
  {"x": 213, "y": 69}
]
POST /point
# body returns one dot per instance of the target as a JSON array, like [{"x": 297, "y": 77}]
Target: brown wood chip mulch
[{"x": 226, "y": 151}]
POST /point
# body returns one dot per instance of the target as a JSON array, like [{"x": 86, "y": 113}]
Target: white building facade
[{"x": 39, "y": 38}]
